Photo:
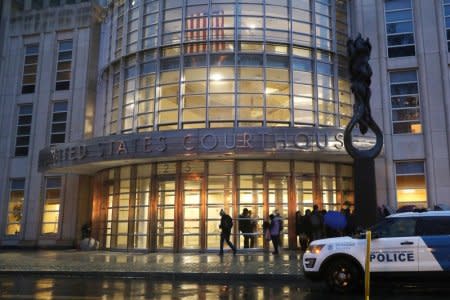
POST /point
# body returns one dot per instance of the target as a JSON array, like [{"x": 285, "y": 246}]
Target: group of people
[
  {"x": 310, "y": 226},
  {"x": 248, "y": 226},
  {"x": 313, "y": 226}
]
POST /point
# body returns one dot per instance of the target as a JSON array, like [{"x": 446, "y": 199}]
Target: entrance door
[
  {"x": 191, "y": 212},
  {"x": 304, "y": 192},
  {"x": 278, "y": 198},
  {"x": 165, "y": 216}
]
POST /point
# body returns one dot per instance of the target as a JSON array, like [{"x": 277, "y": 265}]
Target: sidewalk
[{"x": 174, "y": 266}]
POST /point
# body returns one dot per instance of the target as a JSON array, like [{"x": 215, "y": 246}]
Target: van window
[
  {"x": 433, "y": 226},
  {"x": 396, "y": 227}
]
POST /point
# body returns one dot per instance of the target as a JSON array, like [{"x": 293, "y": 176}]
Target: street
[{"x": 36, "y": 287}]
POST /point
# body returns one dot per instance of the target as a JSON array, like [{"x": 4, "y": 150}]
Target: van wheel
[{"x": 342, "y": 276}]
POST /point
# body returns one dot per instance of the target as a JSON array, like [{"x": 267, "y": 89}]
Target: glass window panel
[
  {"x": 277, "y": 101},
  {"x": 167, "y": 77},
  {"x": 191, "y": 115},
  {"x": 251, "y": 114},
  {"x": 273, "y": 87},
  {"x": 221, "y": 86},
  {"x": 250, "y": 100},
  {"x": 301, "y": 116},
  {"x": 195, "y": 74},
  {"x": 246, "y": 86},
  {"x": 250, "y": 9},
  {"x": 250, "y": 167},
  {"x": 221, "y": 100},
  {"x": 194, "y": 61},
  {"x": 250, "y": 60},
  {"x": 277, "y": 74},
  {"x": 250, "y": 22},
  {"x": 220, "y": 167},
  {"x": 220, "y": 114},
  {"x": 277, "y": 24},
  {"x": 222, "y": 59}
]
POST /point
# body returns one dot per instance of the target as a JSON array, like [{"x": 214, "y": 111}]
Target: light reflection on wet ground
[{"x": 34, "y": 287}]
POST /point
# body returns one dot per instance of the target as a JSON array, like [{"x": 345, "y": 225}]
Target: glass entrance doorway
[
  {"x": 179, "y": 214},
  {"x": 175, "y": 205},
  {"x": 278, "y": 201},
  {"x": 165, "y": 215},
  {"x": 191, "y": 213}
]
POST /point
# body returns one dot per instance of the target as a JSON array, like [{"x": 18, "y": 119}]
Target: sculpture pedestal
[{"x": 365, "y": 192}]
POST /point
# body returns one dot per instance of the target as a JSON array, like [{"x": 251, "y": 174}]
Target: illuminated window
[
  {"x": 30, "y": 68},
  {"x": 15, "y": 207},
  {"x": 411, "y": 183},
  {"x": 405, "y": 102},
  {"x": 52, "y": 203},
  {"x": 399, "y": 28}
]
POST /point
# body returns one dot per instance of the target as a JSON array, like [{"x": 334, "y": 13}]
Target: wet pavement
[
  {"x": 179, "y": 266},
  {"x": 38, "y": 287},
  {"x": 72, "y": 274}
]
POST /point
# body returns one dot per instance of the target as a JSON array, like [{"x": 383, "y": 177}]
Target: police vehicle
[{"x": 410, "y": 245}]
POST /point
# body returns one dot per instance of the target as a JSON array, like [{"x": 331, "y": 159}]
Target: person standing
[
  {"x": 275, "y": 230},
  {"x": 301, "y": 230},
  {"x": 226, "y": 223},
  {"x": 316, "y": 223},
  {"x": 253, "y": 229},
  {"x": 245, "y": 226}
]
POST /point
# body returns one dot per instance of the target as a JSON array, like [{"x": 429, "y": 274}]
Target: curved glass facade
[
  {"x": 222, "y": 63},
  {"x": 210, "y": 64}
]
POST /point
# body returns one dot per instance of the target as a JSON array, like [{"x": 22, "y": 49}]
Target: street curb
[{"x": 164, "y": 275}]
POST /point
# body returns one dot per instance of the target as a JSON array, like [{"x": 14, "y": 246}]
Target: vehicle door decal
[{"x": 439, "y": 246}]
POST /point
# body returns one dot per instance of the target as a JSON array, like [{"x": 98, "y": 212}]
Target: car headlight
[{"x": 315, "y": 249}]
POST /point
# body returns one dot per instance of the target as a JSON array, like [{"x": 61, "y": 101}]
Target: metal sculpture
[
  {"x": 363, "y": 164},
  {"x": 358, "y": 51}
]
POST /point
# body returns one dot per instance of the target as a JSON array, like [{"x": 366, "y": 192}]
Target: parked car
[{"x": 408, "y": 245}]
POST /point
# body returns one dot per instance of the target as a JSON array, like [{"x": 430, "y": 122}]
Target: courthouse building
[{"x": 145, "y": 118}]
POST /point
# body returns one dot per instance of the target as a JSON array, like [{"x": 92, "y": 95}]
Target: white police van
[{"x": 409, "y": 245}]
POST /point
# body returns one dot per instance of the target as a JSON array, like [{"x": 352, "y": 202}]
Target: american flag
[{"x": 197, "y": 30}]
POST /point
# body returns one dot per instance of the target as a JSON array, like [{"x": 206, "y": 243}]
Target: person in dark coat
[
  {"x": 307, "y": 225},
  {"x": 303, "y": 229},
  {"x": 245, "y": 226},
  {"x": 316, "y": 223},
  {"x": 226, "y": 223}
]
